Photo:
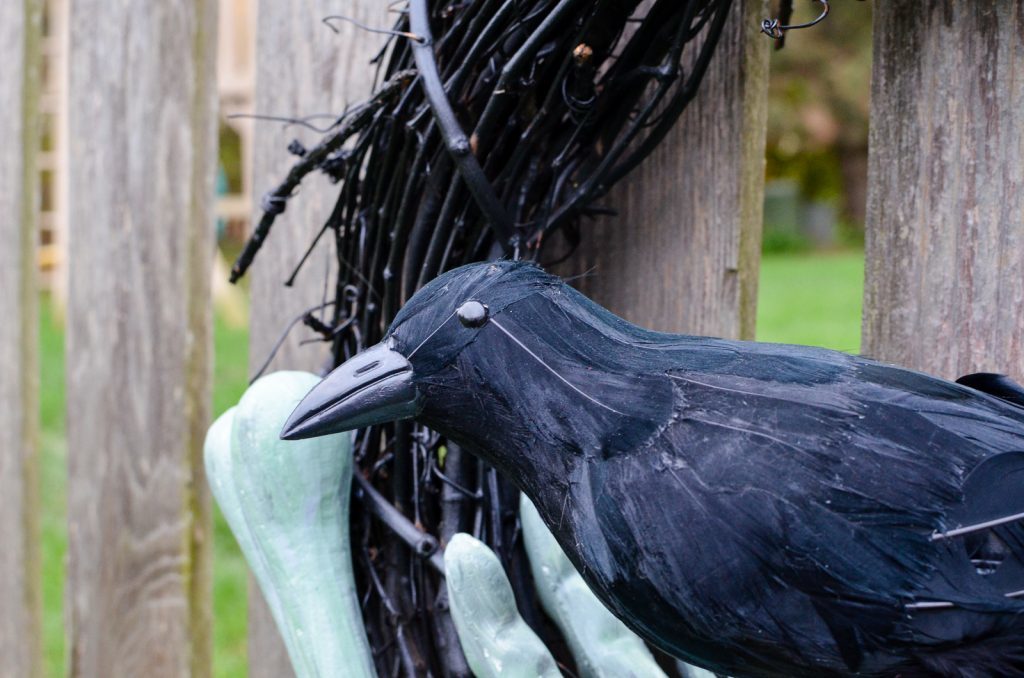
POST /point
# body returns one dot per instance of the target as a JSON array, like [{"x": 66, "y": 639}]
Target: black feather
[{"x": 757, "y": 509}]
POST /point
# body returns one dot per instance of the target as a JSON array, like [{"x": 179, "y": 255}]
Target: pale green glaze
[
  {"x": 688, "y": 671},
  {"x": 601, "y": 644},
  {"x": 494, "y": 638},
  {"x": 288, "y": 505},
  {"x": 217, "y": 455}
]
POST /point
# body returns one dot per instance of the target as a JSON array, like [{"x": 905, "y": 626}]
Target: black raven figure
[{"x": 756, "y": 509}]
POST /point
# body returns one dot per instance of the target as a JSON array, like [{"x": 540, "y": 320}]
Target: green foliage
[
  {"x": 851, "y": 236},
  {"x": 819, "y": 81},
  {"x": 230, "y": 157},
  {"x": 784, "y": 242},
  {"x": 818, "y": 104},
  {"x": 231, "y": 365},
  {"x": 230, "y": 602},
  {"x": 816, "y": 172}
]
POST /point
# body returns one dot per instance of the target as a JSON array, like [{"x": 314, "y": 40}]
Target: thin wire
[
  {"x": 960, "y": 531},
  {"x": 929, "y": 605},
  {"x": 945, "y": 605},
  {"x": 284, "y": 335},
  {"x": 579, "y": 276},
  {"x": 358, "y": 24},
  {"x": 551, "y": 370},
  {"x": 291, "y": 121},
  {"x": 436, "y": 330},
  {"x": 774, "y": 29}
]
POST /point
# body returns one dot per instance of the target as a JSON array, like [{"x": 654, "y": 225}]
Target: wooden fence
[{"x": 944, "y": 288}]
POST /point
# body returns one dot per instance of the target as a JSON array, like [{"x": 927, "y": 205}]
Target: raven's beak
[{"x": 373, "y": 387}]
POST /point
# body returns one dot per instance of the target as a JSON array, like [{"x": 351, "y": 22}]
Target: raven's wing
[
  {"x": 856, "y": 465},
  {"x": 888, "y": 449}
]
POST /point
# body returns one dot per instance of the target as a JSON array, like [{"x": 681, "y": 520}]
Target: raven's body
[{"x": 756, "y": 509}]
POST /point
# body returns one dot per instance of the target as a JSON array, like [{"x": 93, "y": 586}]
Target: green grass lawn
[
  {"x": 812, "y": 299},
  {"x": 230, "y": 378},
  {"x": 804, "y": 299},
  {"x": 52, "y": 482}
]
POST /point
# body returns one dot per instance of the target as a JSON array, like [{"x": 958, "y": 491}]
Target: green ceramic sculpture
[
  {"x": 601, "y": 644},
  {"x": 495, "y": 639},
  {"x": 288, "y": 506},
  {"x": 688, "y": 671}
]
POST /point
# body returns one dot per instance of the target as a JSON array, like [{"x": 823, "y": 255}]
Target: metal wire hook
[
  {"x": 774, "y": 29},
  {"x": 359, "y": 24}
]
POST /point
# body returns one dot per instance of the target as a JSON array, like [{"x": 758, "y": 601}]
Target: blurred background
[{"x": 811, "y": 274}]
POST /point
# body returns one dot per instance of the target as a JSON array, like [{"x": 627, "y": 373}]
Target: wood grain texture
[
  {"x": 302, "y": 68},
  {"x": 683, "y": 253},
  {"x": 141, "y": 179},
  {"x": 20, "y": 34},
  {"x": 944, "y": 280}
]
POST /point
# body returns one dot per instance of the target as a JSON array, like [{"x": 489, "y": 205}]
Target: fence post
[
  {"x": 302, "y": 68},
  {"x": 142, "y": 148},
  {"x": 684, "y": 252},
  {"x": 20, "y": 34},
  {"x": 944, "y": 279}
]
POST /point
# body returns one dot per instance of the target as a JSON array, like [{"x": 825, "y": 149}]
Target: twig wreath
[{"x": 496, "y": 126}]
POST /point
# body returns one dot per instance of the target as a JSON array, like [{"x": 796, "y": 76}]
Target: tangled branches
[{"x": 497, "y": 123}]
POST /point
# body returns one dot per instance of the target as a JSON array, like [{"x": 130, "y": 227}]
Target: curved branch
[{"x": 455, "y": 139}]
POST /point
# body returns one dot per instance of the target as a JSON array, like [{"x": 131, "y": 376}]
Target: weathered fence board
[
  {"x": 944, "y": 288},
  {"x": 302, "y": 68},
  {"x": 687, "y": 239},
  {"x": 19, "y": 550},
  {"x": 141, "y": 181}
]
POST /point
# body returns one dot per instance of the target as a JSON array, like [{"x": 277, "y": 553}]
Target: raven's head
[
  {"x": 423, "y": 345},
  {"x": 507, "y": 360}
]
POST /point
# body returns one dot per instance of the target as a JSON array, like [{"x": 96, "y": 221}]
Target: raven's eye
[{"x": 472, "y": 314}]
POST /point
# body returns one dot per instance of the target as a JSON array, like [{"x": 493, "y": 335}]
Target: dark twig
[
  {"x": 423, "y": 545},
  {"x": 274, "y": 203}
]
